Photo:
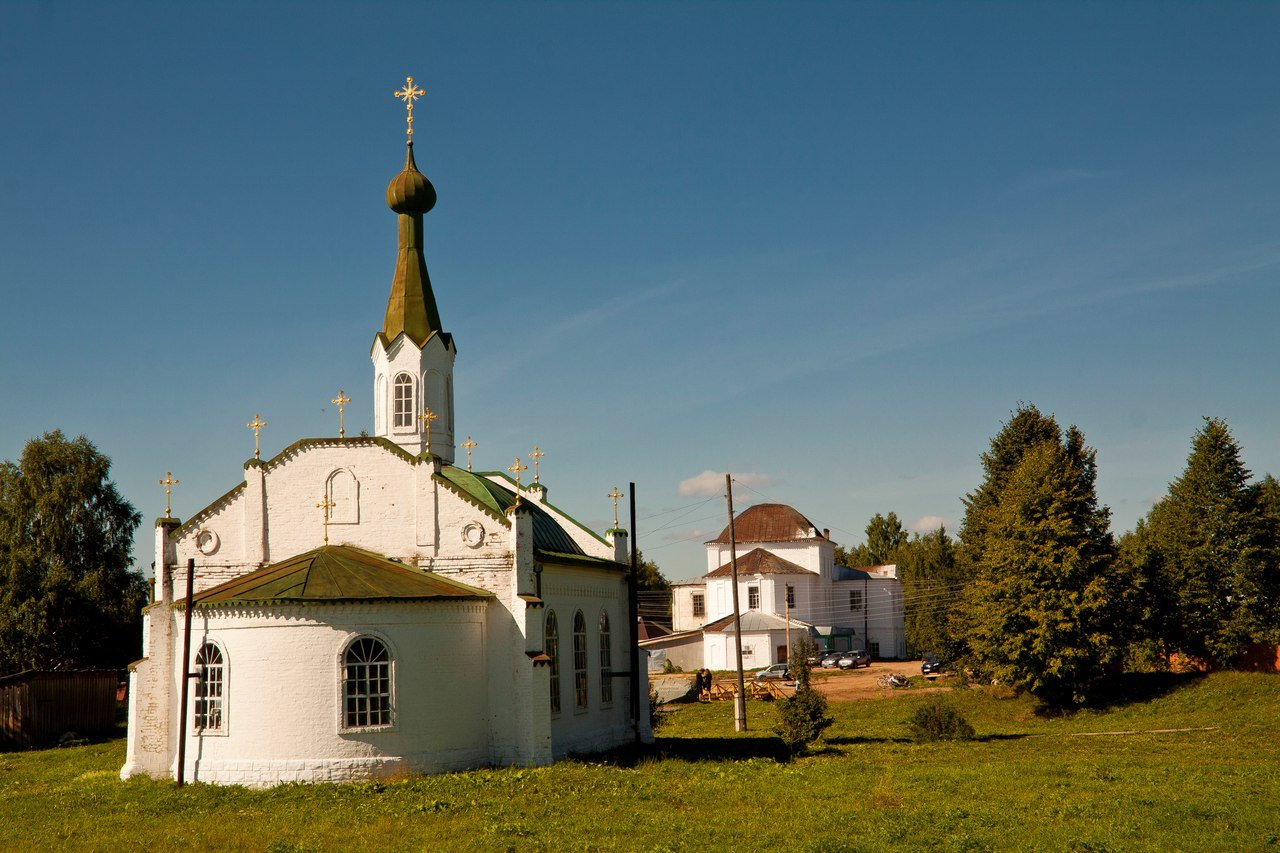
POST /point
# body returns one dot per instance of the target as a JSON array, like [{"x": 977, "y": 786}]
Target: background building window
[
  {"x": 606, "y": 661},
  {"x": 855, "y": 599},
  {"x": 699, "y": 604},
  {"x": 753, "y": 598},
  {"x": 551, "y": 647},
  {"x": 791, "y": 596},
  {"x": 366, "y": 684},
  {"x": 874, "y": 649},
  {"x": 209, "y": 688},
  {"x": 579, "y": 661},
  {"x": 403, "y": 402}
]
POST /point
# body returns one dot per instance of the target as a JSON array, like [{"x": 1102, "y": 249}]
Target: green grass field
[{"x": 1028, "y": 783}]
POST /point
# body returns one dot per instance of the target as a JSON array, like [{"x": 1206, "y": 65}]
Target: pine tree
[
  {"x": 68, "y": 597},
  {"x": 1214, "y": 538},
  {"x": 1038, "y": 612},
  {"x": 931, "y": 584}
]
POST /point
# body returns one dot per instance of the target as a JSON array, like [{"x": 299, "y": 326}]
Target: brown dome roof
[
  {"x": 759, "y": 562},
  {"x": 769, "y": 523},
  {"x": 410, "y": 192}
]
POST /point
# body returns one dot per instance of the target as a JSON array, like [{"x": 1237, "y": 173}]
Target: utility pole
[
  {"x": 786, "y": 597},
  {"x": 633, "y": 617},
  {"x": 186, "y": 674},
  {"x": 740, "y": 697}
]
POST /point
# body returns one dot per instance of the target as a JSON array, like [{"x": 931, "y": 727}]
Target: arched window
[
  {"x": 402, "y": 404},
  {"x": 380, "y": 406},
  {"x": 551, "y": 647},
  {"x": 209, "y": 688},
  {"x": 366, "y": 684},
  {"x": 606, "y": 661},
  {"x": 579, "y": 661}
]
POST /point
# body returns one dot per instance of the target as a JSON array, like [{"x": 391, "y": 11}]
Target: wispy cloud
[
  {"x": 710, "y": 483},
  {"x": 930, "y": 523}
]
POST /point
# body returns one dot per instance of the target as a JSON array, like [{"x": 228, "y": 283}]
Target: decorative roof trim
[
  {"x": 548, "y": 504},
  {"x": 217, "y": 504}
]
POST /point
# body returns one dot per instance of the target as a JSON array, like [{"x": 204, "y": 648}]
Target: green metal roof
[
  {"x": 336, "y": 573},
  {"x": 548, "y": 535}
]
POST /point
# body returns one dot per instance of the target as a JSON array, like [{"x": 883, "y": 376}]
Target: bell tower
[{"x": 412, "y": 355}]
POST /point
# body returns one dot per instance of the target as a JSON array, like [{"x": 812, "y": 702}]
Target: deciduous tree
[{"x": 68, "y": 597}]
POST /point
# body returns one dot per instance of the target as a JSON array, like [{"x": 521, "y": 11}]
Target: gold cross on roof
[
  {"x": 341, "y": 402},
  {"x": 327, "y": 505},
  {"x": 515, "y": 470},
  {"x": 256, "y": 425},
  {"x": 536, "y": 456},
  {"x": 427, "y": 417},
  {"x": 469, "y": 444},
  {"x": 615, "y": 494},
  {"x": 168, "y": 482},
  {"x": 409, "y": 93}
]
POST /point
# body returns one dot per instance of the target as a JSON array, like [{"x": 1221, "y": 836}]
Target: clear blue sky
[{"x": 826, "y": 245}]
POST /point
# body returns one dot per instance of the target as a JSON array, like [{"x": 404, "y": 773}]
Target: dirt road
[{"x": 862, "y": 683}]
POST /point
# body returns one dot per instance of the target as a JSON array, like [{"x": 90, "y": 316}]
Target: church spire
[{"x": 412, "y": 306}]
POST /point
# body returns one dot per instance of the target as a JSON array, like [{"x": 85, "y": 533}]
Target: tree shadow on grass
[
  {"x": 841, "y": 740},
  {"x": 698, "y": 749},
  {"x": 1136, "y": 688}
]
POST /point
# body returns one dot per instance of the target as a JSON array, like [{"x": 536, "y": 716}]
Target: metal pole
[
  {"x": 186, "y": 676},
  {"x": 740, "y": 700},
  {"x": 633, "y": 608},
  {"x": 786, "y": 597}
]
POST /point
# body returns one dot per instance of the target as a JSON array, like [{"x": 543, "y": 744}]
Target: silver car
[{"x": 855, "y": 658}]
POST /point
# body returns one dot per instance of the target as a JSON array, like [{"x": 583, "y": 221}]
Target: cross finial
[
  {"x": 468, "y": 444},
  {"x": 256, "y": 425},
  {"x": 536, "y": 456},
  {"x": 341, "y": 402},
  {"x": 515, "y": 470},
  {"x": 427, "y": 417},
  {"x": 616, "y": 495},
  {"x": 327, "y": 505},
  {"x": 409, "y": 93},
  {"x": 168, "y": 482}
]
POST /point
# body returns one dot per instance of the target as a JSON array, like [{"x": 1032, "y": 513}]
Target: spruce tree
[
  {"x": 931, "y": 584},
  {"x": 1038, "y": 613},
  {"x": 1214, "y": 537}
]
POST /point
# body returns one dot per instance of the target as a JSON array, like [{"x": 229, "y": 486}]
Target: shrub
[
  {"x": 669, "y": 666},
  {"x": 935, "y": 721},
  {"x": 802, "y": 719}
]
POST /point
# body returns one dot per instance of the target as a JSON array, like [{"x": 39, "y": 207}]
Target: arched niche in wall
[
  {"x": 343, "y": 490},
  {"x": 433, "y": 390}
]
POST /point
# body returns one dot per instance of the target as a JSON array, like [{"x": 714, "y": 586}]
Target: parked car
[
  {"x": 855, "y": 658},
  {"x": 814, "y": 658},
  {"x": 831, "y": 659},
  {"x": 930, "y": 664},
  {"x": 776, "y": 672}
]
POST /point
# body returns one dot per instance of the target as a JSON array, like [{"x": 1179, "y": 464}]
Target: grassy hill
[{"x": 1027, "y": 783}]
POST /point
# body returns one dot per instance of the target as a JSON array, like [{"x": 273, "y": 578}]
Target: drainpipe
[{"x": 186, "y": 675}]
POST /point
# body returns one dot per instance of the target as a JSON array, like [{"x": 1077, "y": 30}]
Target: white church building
[
  {"x": 788, "y": 587},
  {"x": 362, "y": 606}
]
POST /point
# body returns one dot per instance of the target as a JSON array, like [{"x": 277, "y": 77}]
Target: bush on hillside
[{"x": 802, "y": 719}]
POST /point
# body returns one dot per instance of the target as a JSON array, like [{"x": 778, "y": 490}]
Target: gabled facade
[{"x": 788, "y": 587}]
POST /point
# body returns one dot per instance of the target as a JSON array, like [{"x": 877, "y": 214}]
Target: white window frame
[
  {"x": 402, "y": 417},
  {"x": 581, "y": 680},
  {"x": 606, "y": 660},
  {"x": 551, "y": 648},
  {"x": 856, "y": 602},
  {"x": 699, "y": 602},
  {"x": 343, "y": 719},
  {"x": 221, "y": 729},
  {"x": 753, "y": 597}
]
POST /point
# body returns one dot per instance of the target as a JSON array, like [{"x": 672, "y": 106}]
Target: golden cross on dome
[
  {"x": 468, "y": 444},
  {"x": 536, "y": 456},
  {"x": 427, "y": 417},
  {"x": 256, "y": 425},
  {"x": 516, "y": 469},
  {"x": 327, "y": 505},
  {"x": 615, "y": 494},
  {"x": 409, "y": 93},
  {"x": 341, "y": 401},
  {"x": 168, "y": 482}
]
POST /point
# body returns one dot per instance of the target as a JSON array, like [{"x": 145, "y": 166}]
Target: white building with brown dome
[{"x": 788, "y": 586}]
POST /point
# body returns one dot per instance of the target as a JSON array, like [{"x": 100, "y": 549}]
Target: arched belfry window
[
  {"x": 366, "y": 684},
  {"x": 210, "y": 688},
  {"x": 551, "y": 648},
  {"x": 402, "y": 401},
  {"x": 606, "y": 660},
  {"x": 579, "y": 661}
]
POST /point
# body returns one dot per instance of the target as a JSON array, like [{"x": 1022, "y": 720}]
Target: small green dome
[{"x": 410, "y": 192}]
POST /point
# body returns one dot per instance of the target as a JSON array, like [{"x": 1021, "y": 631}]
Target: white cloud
[
  {"x": 710, "y": 483},
  {"x": 930, "y": 523}
]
